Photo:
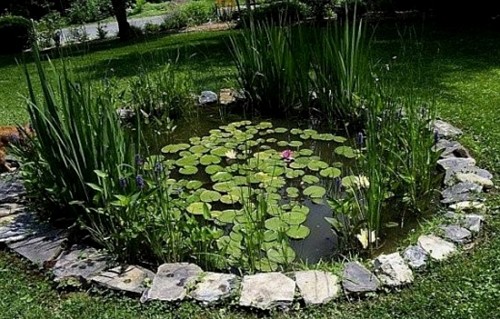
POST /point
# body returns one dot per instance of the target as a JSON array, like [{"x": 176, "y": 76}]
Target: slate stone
[
  {"x": 450, "y": 149},
  {"x": 20, "y": 226},
  {"x": 132, "y": 279},
  {"x": 469, "y": 206},
  {"x": 456, "y": 163},
  {"x": 230, "y": 96},
  {"x": 7, "y": 209},
  {"x": 317, "y": 287},
  {"x": 171, "y": 281},
  {"x": 474, "y": 178},
  {"x": 11, "y": 189},
  {"x": 437, "y": 248},
  {"x": 392, "y": 270},
  {"x": 41, "y": 248},
  {"x": 473, "y": 222},
  {"x": 450, "y": 174},
  {"x": 267, "y": 290},
  {"x": 358, "y": 279},
  {"x": 80, "y": 263},
  {"x": 415, "y": 256},
  {"x": 460, "y": 192},
  {"x": 213, "y": 287},
  {"x": 456, "y": 234},
  {"x": 445, "y": 129},
  {"x": 207, "y": 97}
]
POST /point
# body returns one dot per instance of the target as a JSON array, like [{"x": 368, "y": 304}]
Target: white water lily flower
[
  {"x": 363, "y": 237},
  {"x": 363, "y": 181},
  {"x": 231, "y": 154}
]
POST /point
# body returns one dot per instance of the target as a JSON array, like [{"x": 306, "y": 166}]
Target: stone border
[{"x": 43, "y": 245}]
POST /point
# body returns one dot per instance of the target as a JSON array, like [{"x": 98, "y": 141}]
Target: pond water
[{"x": 299, "y": 167}]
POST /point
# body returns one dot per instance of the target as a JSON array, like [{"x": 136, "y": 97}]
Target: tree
[{"x": 120, "y": 10}]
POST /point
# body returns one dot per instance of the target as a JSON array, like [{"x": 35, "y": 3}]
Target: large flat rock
[
  {"x": 437, "y": 248},
  {"x": 11, "y": 189},
  {"x": 20, "y": 226},
  {"x": 132, "y": 279},
  {"x": 358, "y": 279},
  {"x": 41, "y": 248},
  {"x": 214, "y": 287},
  {"x": 456, "y": 163},
  {"x": 450, "y": 149},
  {"x": 450, "y": 174},
  {"x": 463, "y": 191},
  {"x": 80, "y": 263},
  {"x": 474, "y": 178},
  {"x": 171, "y": 281},
  {"x": 317, "y": 287},
  {"x": 446, "y": 130},
  {"x": 456, "y": 234},
  {"x": 415, "y": 256},
  {"x": 392, "y": 270},
  {"x": 469, "y": 206},
  {"x": 267, "y": 290},
  {"x": 8, "y": 209}
]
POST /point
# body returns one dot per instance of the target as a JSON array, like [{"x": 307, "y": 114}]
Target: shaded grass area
[{"x": 460, "y": 67}]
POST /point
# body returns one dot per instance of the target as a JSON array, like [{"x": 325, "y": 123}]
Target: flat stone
[
  {"x": 460, "y": 192},
  {"x": 450, "y": 149},
  {"x": 456, "y": 234},
  {"x": 80, "y": 263},
  {"x": 474, "y": 178},
  {"x": 207, "y": 97},
  {"x": 11, "y": 189},
  {"x": 473, "y": 222},
  {"x": 130, "y": 278},
  {"x": 41, "y": 248},
  {"x": 469, "y": 206},
  {"x": 229, "y": 96},
  {"x": 456, "y": 163},
  {"x": 20, "y": 226},
  {"x": 392, "y": 270},
  {"x": 415, "y": 256},
  {"x": 7, "y": 209},
  {"x": 171, "y": 281},
  {"x": 267, "y": 290},
  {"x": 450, "y": 174},
  {"x": 437, "y": 248},
  {"x": 445, "y": 129},
  {"x": 359, "y": 279},
  {"x": 317, "y": 287},
  {"x": 213, "y": 287}
]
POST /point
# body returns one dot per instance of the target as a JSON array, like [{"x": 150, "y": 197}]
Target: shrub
[
  {"x": 83, "y": 11},
  {"x": 198, "y": 12},
  {"x": 279, "y": 12},
  {"x": 48, "y": 29},
  {"x": 15, "y": 34},
  {"x": 177, "y": 19}
]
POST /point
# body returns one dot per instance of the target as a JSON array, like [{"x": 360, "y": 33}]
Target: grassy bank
[{"x": 460, "y": 68}]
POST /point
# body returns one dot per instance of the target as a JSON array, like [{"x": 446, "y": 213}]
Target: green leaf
[
  {"x": 315, "y": 191},
  {"x": 193, "y": 184},
  {"x": 212, "y": 169},
  {"x": 330, "y": 172},
  {"x": 209, "y": 159},
  {"x": 197, "y": 208},
  {"x": 316, "y": 165},
  {"x": 294, "y": 218},
  {"x": 221, "y": 177},
  {"x": 345, "y": 151},
  {"x": 276, "y": 224},
  {"x": 310, "y": 179},
  {"x": 174, "y": 148},
  {"x": 229, "y": 199},
  {"x": 188, "y": 170},
  {"x": 208, "y": 196},
  {"x": 298, "y": 232},
  {"x": 227, "y": 216}
]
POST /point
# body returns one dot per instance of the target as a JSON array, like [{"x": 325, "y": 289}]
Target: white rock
[
  {"x": 267, "y": 290},
  {"x": 469, "y": 206},
  {"x": 439, "y": 249},
  {"x": 213, "y": 287},
  {"x": 392, "y": 270},
  {"x": 317, "y": 287},
  {"x": 131, "y": 278},
  {"x": 473, "y": 178},
  {"x": 170, "y": 281}
]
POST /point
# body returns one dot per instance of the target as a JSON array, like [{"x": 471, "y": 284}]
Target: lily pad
[
  {"x": 298, "y": 232},
  {"x": 280, "y": 130},
  {"x": 315, "y": 191},
  {"x": 188, "y": 170},
  {"x": 330, "y": 172},
  {"x": 223, "y": 187},
  {"x": 292, "y": 192},
  {"x": 198, "y": 149},
  {"x": 174, "y": 148},
  {"x": 282, "y": 143},
  {"x": 306, "y": 152},
  {"x": 221, "y": 177},
  {"x": 316, "y": 165},
  {"x": 198, "y": 208},
  {"x": 281, "y": 255},
  {"x": 212, "y": 169},
  {"x": 208, "y": 196},
  {"x": 187, "y": 161},
  {"x": 229, "y": 199},
  {"x": 276, "y": 224},
  {"x": 219, "y": 151},
  {"x": 296, "y": 143},
  {"x": 296, "y": 131},
  {"x": 310, "y": 179},
  {"x": 294, "y": 173},
  {"x": 298, "y": 165},
  {"x": 294, "y": 218},
  {"x": 345, "y": 151},
  {"x": 209, "y": 159},
  {"x": 194, "y": 184},
  {"x": 227, "y": 216}
]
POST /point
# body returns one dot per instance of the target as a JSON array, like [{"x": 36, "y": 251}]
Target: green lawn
[{"x": 460, "y": 68}]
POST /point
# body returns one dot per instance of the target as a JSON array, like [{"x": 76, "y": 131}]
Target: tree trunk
[{"x": 120, "y": 9}]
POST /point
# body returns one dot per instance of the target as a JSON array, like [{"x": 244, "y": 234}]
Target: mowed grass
[{"x": 460, "y": 68}]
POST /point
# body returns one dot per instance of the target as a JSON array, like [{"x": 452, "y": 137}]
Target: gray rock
[
  {"x": 450, "y": 149},
  {"x": 267, "y": 290},
  {"x": 8, "y": 209},
  {"x": 469, "y": 206},
  {"x": 392, "y": 270},
  {"x": 132, "y": 279},
  {"x": 450, "y": 174},
  {"x": 456, "y": 234},
  {"x": 20, "y": 226},
  {"x": 359, "y": 279},
  {"x": 460, "y": 192},
  {"x": 415, "y": 256},
  {"x": 11, "y": 189},
  {"x": 456, "y": 163},
  {"x": 41, "y": 248},
  {"x": 317, "y": 287},
  {"x": 213, "y": 287},
  {"x": 473, "y": 222},
  {"x": 474, "y": 178},
  {"x": 230, "y": 96},
  {"x": 80, "y": 263},
  {"x": 171, "y": 281},
  {"x": 207, "y": 97},
  {"x": 437, "y": 248},
  {"x": 445, "y": 129}
]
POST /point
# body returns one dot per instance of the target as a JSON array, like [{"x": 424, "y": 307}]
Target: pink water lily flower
[{"x": 287, "y": 155}]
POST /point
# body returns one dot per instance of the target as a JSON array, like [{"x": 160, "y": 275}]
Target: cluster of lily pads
[{"x": 253, "y": 180}]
